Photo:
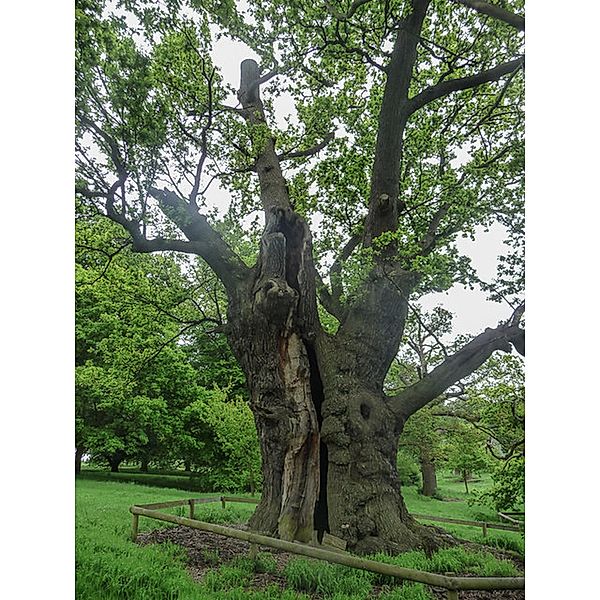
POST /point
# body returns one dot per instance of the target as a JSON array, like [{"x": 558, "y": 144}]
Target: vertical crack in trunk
[{"x": 321, "y": 518}]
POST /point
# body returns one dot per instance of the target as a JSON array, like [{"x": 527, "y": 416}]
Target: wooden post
[
  {"x": 191, "y": 509},
  {"x": 452, "y": 594},
  {"x": 134, "y": 526},
  {"x": 253, "y": 551},
  {"x": 222, "y": 502},
  {"x": 484, "y": 527}
]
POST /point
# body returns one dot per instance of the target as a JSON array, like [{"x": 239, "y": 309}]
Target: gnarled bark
[{"x": 271, "y": 329}]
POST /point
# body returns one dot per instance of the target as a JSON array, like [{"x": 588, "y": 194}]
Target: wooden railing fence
[{"x": 452, "y": 584}]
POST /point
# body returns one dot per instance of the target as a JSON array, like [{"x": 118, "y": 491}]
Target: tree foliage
[
  {"x": 154, "y": 106},
  {"x": 142, "y": 368},
  {"x": 499, "y": 399},
  {"x": 478, "y": 425},
  {"x": 219, "y": 439}
]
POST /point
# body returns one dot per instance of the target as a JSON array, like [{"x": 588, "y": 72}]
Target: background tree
[
  {"x": 430, "y": 92},
  {"x": 132, "y": 376},
  {"x": 479, "y": 422},
  {"x": 500, "y": 399},
  {"x": 147, "y": 365},
  {"x": 219, "y": 437},
  {"x": 424, "y": 348},
  {"x": 493, "y": 404},
  {"x": 465, "y": 452},
  {"x": 423, "y": 438}
]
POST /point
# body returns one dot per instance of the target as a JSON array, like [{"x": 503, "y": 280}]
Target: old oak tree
[{"x": 406, "y": 133}]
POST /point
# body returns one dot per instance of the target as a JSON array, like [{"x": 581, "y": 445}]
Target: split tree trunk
[
  {"x": 327, "y": 432},
  {"x": 271, "y": 325},
  {"x": 328, "y": 437}
]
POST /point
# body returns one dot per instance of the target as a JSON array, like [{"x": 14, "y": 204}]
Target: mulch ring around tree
[{"x": 207, "y": 551}]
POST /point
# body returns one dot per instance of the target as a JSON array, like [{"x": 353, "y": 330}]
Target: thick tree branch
[
  {"x": 429, "y": 238},
  {"x": 455, "y": 367},
  {"x": 331, "y": 301},
  {"x": 273, "y": 188},
  {"x": 330, "y": 304},
  {"x": 385, "y": 185},
  {"x": 496, "y": 12},
  {"x": 462, "y": 83},
  {"x": 335, "y": 272},
  {"x": 203, "y": 239},
  {"x": 309, "y": 151}
]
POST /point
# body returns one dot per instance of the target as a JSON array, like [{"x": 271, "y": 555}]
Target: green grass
[
  {"x": 110, "y": 567},
  {"x": 452, "y": 490},
  {"x": 450, "y": 560},
  {"x": 337, "y": 581},
  {"x": 449, "y": 487},
  {"x": 330, "y": 580}
]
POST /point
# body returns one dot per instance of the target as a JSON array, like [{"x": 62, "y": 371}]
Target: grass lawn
[
  {"x": 455, "y": 506},
  {"x": 181, "y": 481},
  {"x": 109, "y": 566}
]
